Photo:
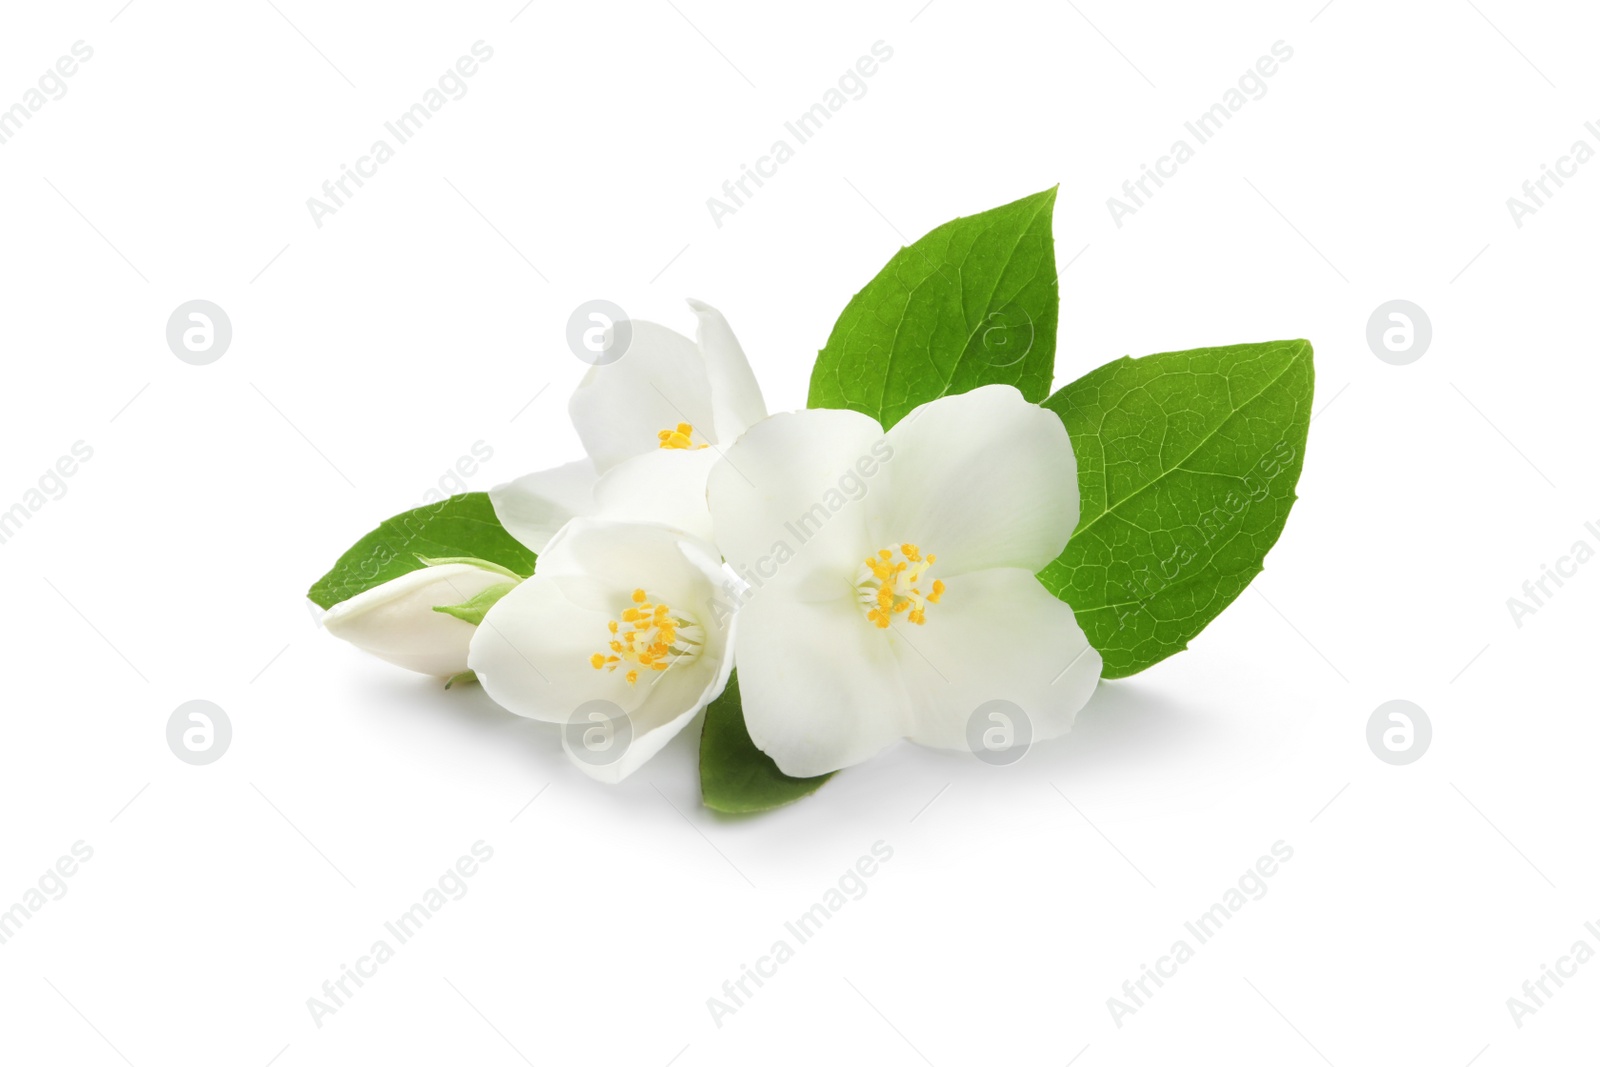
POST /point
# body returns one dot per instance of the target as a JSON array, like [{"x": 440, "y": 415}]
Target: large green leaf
[
  {"x": 972, "y": 303},
  {"x": 1187, "y": 464},
  {"x": 463, "y": 525},
  {"x": 736, "y": 776}
]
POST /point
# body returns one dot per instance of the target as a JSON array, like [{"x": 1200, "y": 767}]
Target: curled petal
[{"x": 736, "y": 401}]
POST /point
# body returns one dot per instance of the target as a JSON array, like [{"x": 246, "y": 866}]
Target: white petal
[
  {"x": 792, "y": 499},
  {"x": 667, "y": 487},
  {"x": 678, "y": 697},
  {"x": 820, "y": 684},
  {"x": 660, "y": 381},
  {"x": 395, "y": 621},
  {"x": 532, "y": 508},
  {"x": 995, "y": 635},
  {"x": 736, "y": 402},
  {"x": 626, "y": 556},
  {"x": 532, "y": 651},
  {"x": 983, "y": 479}
]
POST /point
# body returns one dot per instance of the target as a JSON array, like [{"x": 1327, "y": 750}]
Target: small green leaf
[
  {"x": 1187, "y": 464},
  {"x": 458, "y": 679},
  {"x": 461, "y": 525},
  {"x": 475, "y": 609},
  {"x": 972, "y": 303},
  {"x": 735, "y": 776}
]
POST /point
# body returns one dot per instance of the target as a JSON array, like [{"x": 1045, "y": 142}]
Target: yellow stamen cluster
[
  {"x": 647, "y": 636},
  {"x": 678, "y": 438},
  {"x": 891, "y": 583}
]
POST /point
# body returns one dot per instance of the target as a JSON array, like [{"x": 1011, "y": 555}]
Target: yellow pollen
[
  {"x": 657, "y": 639},
  {"x": 681, "y": 437},
  {"x": 890, "y": 583}
]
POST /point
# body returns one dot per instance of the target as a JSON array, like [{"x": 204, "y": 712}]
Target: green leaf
[
  {"x": 735, "y": 776},
  {"x": 475, "y": 609},
  {"x": 1187, "y": 464},
  {"x": 460, "y": 679},
  {"x": 461, "y": 525},
  {"x": 972, "y": 303}
]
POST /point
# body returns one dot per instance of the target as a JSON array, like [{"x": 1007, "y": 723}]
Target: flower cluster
[{"x": 871, "y": 585}]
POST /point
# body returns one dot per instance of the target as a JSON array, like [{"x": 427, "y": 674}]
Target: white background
[{"x": 428, "y": 314}]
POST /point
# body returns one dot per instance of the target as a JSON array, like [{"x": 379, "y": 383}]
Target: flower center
[
  {"x": 892, "y": 583},
  {"x": 648, "y": 636},
  {"x": 678, "y": 438}
]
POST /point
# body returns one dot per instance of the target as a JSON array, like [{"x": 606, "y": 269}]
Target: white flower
[
  {"x": 651, "y": 423},
  {"x": 396, "y": 621},
  {"x": 893, "y": 576},
  {"x": 629, "y": 615}
]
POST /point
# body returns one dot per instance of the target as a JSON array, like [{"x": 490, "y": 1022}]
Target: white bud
[{"x": 396, "y": 621}]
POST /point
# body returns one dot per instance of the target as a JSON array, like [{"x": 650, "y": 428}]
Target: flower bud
[{"x": 396, "y": 621}]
